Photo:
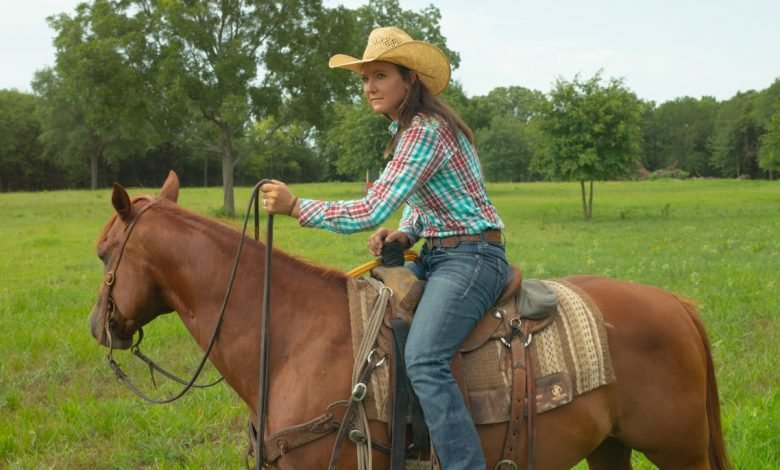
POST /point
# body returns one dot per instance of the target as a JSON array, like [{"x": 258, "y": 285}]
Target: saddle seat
[{"x": 512, "y": 287}]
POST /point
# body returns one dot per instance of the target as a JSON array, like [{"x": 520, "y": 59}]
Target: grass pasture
[{"x": 715, "y": 241}]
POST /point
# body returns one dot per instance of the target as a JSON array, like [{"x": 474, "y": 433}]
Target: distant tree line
[{"x": 228, "y": 93}]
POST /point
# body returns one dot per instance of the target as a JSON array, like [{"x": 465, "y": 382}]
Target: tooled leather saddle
[{"x": 504, "y": 322}]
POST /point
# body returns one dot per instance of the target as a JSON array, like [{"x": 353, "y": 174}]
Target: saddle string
[{"x": 365, "y": 350}]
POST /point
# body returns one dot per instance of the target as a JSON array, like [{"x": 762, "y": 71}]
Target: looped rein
[{"x": 111, "y": 311}]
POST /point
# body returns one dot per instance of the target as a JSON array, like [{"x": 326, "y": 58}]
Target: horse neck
[
  {"x": 199, "y": 254},
  {"x": 309, "y": 308}
]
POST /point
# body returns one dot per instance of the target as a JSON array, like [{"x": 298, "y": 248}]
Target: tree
[
  {"x": 192, "y": 62},
  {"x": 769, "y": 154},
  {"x": 505, "y": 138},
  {"x": 735, "y": 141},
  {"x": 506, "y": 149},
  {"x": 592, "y": 131},
  {"x": 19, "y": 131},
  {"x": 357, "y": 139},
  {"x": 515, "y": 101},
  {"x": 84, "y": 111},
  {"x": 679, "y": 134},
  {"x": 287, "y": 155},
  {"x": 210, "y": 53},
  {"x": 769, "y": 114}
]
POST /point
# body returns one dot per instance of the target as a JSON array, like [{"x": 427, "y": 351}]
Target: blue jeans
[{"x": 462, "y": 284}]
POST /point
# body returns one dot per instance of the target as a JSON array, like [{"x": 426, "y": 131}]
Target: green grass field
[{"x": 714, "y": 241}]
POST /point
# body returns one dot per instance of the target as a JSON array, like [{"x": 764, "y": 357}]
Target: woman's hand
[
  {"x": 386, "y": 235},
  {"x": 277, "y": 199}
]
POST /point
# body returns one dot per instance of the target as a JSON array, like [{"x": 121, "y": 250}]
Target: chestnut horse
[{"x": 664, "y": 402}]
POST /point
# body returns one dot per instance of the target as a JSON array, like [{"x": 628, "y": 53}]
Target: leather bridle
[
  {"x": 111, "y": 312},
  {"x": 110, "y": 316}
]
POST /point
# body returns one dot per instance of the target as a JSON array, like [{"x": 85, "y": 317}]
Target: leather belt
[{"x": 490, "y": 236}]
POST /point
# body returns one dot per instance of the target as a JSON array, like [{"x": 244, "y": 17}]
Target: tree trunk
[
  {"x": 94, "y": 170},
  {"x": 227, "y": 170},
  {"x": 587, "y": 200},
  {"x": 205, "y": 171},
  {"x": 590, "y": 201}
]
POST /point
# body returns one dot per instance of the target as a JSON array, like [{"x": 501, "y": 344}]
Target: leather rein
[
  {"x": 286, "y": 439},
  {"x": 111, "y": 312}
]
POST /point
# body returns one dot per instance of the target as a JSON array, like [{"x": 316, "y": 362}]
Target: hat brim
[{"x": 427, "y": 60}]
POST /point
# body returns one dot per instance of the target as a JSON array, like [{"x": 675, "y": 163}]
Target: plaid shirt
[{"x": 437, "y": 175}]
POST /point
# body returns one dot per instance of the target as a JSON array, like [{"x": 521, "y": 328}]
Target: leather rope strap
[
  {"x": 523, "y": 398},
  {"x": 279, "y": 443},
  {"x": 519, "y": 389},
  {"x": 282, "y": 442},
  {"x": 357, "y": 397},
  {"x": 285, "y": 440},
  {"x": 531, "y": 404}
]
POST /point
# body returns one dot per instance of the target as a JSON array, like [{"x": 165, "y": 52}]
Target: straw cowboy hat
[{"x": 393, "y": 45}]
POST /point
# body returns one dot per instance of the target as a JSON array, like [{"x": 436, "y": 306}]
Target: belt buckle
[
  {"x": 443, "y": 242},
  {"x": 449, "y": 242}
]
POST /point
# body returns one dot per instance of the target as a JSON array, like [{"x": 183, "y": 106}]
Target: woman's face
[{"x": 384, "y": 87}]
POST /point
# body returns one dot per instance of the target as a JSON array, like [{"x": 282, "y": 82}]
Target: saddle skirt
[{"x": 569, "y": 351}]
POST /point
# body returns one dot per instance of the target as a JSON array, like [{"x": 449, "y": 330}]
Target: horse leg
[{"x": 610, "y": 455}]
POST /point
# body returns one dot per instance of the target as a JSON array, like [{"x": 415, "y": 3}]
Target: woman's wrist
[{"x": 293, "y": 205}]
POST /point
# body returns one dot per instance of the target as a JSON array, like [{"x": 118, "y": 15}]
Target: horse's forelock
[{"x": 104, "y": 233}]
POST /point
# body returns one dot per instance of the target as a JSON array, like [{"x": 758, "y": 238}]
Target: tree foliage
[
  {"x": 506, "y": 138},
  {"x": 592, "y": 132},
  {"x": 356, "y": 140},
  {"x": 233, "y": 91},
  {"x": 735, "y": 141},
  {"x": 677, "y": 135},
  {"x": 769, "y": 114},
  {"x": 84, "y": 112},
  {"x": 19, "y": 147},
  {"x": 769, "y": 153}
]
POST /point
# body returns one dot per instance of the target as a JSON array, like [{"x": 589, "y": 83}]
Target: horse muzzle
[{"x": 104, "y": 323}]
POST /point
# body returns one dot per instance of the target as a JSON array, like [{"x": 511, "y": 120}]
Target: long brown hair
[{"x": 420, "y": 100}]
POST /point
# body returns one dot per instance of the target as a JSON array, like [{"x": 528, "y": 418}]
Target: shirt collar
[{"x": 393, "y": 127}]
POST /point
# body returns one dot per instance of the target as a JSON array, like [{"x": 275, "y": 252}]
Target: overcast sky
[{"x": 663, "y": 49}]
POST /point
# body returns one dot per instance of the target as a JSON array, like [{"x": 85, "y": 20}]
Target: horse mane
[{"x": 231, "y": 231}]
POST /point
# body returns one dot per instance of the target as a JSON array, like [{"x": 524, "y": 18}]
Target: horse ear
[
  {"x": 122, "y": 203},
  {"x": 170, "y": 189}
]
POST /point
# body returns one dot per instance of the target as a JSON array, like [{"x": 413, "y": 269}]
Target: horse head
[{"x": 129, "y": 297}]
